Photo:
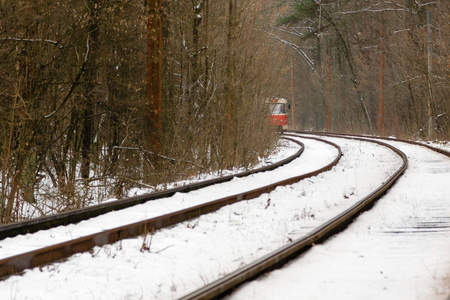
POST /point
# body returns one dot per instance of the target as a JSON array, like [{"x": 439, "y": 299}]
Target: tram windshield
[{"x": 277, "y": 108}]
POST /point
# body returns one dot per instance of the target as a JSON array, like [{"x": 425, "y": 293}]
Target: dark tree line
[
  {"x": 73, "y": 118},
  {"x": 393, "y": 53}
]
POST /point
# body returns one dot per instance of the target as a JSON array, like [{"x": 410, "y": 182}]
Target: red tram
[{"x": 278, "y": 112}]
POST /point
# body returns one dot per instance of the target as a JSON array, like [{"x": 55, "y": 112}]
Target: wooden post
[{"x": 380, "y": 119}]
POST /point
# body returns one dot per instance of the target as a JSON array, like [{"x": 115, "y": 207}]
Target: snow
[{"x": 387, "y": 253}]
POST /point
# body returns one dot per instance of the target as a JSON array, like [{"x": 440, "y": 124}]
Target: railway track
[
  {"x": 399, "y": 249},
  {"x": 268, "y": 262},
  {"x": 46, "y": 255},
  {"x": 359, "y": 136},
  {"x": 281, "y": 256}
]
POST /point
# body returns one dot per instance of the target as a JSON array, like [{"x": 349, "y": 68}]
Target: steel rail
[
  {"x": 16, "y": 264},
  {"x": 280, "y": 257},
  {"x": 78, "y": 215}
]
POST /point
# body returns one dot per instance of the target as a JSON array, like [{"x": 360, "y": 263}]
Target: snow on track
[
  {"x": 178, "y": 260},
  {"x": 400, "y": 249}
]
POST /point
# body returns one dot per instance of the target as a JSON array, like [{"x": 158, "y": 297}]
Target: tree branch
[
  {"x": 305, "y": 57},
  {"x": 31, "y": 40},
  {"x": 75, "y": 83}
]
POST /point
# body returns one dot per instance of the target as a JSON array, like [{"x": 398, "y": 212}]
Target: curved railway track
[
  {"x": 43, "y": 256},
  {"x": 398, "y": 249},
  {"x": 228, "y": 283},
  {"x": 360, "y": 136},
  {"x": 280, "y": 257}
]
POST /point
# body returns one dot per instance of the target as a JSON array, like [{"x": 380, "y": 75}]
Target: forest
[{"x": 100, "y": 97}]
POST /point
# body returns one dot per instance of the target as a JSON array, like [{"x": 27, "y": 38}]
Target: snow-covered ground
[
  {"x": 386, "y": 259},
  {"x": 392, "y": 251}
]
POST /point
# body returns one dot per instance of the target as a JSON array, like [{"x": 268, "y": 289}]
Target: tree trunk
[
  {"x": 92, "y": 46},
  {"x": 152, "y": 130}
]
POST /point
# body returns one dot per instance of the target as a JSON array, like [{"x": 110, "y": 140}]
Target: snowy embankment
[
  {"x": 29, "y": 242},
  {"x": 172, "y": 262}
]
